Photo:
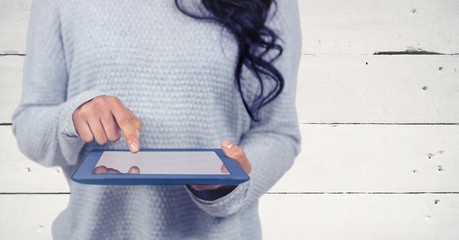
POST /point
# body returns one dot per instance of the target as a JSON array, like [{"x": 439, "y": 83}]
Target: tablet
[{"x": 159, "y": 166}]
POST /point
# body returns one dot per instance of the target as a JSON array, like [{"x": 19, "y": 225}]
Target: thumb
[{"x": 235, "y": 152}]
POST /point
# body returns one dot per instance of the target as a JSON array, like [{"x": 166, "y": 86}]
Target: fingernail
[
  {"x": 227, "y": 144},
  {"x": 138, "y": 133},
  {"x": 134, "y": 147}
]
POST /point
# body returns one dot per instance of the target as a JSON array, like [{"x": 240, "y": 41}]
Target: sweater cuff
[{"x": 218, "y": 203}]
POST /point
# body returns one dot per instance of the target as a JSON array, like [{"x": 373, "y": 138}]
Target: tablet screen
[{"x": 153, "y": 162}]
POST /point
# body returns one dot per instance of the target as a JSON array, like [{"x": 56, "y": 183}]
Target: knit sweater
[{"x": 177, "y": 76}]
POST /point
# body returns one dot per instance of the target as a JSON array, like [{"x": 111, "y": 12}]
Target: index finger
[{"x": 124, "y": 120}]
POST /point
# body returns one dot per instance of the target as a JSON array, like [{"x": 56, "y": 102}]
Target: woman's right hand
[{"x": 102, "y": 118}]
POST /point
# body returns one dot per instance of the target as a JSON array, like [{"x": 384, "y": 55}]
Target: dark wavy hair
[{"x": 246, "y": 19}]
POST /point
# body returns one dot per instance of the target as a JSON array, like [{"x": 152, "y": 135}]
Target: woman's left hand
[{"x": 235, "y": 152}]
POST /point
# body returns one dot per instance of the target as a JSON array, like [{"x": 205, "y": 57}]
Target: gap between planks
[
  {"x": 12, "y": 54},
  {"x": 274, "y": 193},
  {"x": 359, "y": 193},
  {"x": 408, "y": 52},
  {"x": 381, "y": 53},
  {"x": 381, "y": 123}
]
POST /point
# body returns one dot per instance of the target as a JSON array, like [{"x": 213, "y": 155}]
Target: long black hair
[{"x": 246, "y": 19}]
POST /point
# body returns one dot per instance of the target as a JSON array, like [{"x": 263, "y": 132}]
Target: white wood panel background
[{"x": 380, "y": 132}]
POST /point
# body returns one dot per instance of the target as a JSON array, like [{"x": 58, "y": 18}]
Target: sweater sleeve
[
  {"x": 42, "y": 123},
  {"x": 271, "y": 144}
]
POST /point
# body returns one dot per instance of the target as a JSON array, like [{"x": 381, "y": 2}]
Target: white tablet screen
[{"x": 152, "y": 162}]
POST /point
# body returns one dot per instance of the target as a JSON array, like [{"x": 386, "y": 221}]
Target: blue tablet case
[{"x": 85, "y": 172}]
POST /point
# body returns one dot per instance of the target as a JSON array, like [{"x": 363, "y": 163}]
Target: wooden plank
[
  {"x": 10, "y": 85},
  {"x": 416, "y": 217},
  {"x": 375, "y": 158},
  {"x": 368, "y": 26},
  {"x": 378, "y": 89},
  {"x": 19, "y": 174},
  {"x": 29, "y": 216},
  {"x": 14, "y": 19},
  {"x": 331, "y": 27},
  {"x": 344, "y": 158},
  {"x": 345, "y": 89}
]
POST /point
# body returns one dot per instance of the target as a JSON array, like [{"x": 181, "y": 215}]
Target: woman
[{"x": 161, "y": 74}]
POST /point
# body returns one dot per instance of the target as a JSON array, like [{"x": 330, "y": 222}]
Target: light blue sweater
[{"x": 176, "y": 74}]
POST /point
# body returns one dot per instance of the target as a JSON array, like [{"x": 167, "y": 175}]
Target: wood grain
[
  {"x": 378, "y": 89},
  {"x": 10, "y": 85},
  {"x": 375, "y": 158},
  {"x": 367, "y": 26},
  {"x": 349, "y": 217},
  {"x": 19, "y": 174},
  {"x": 14, "y": 18},
  {"x": 29, "y": 216}
]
